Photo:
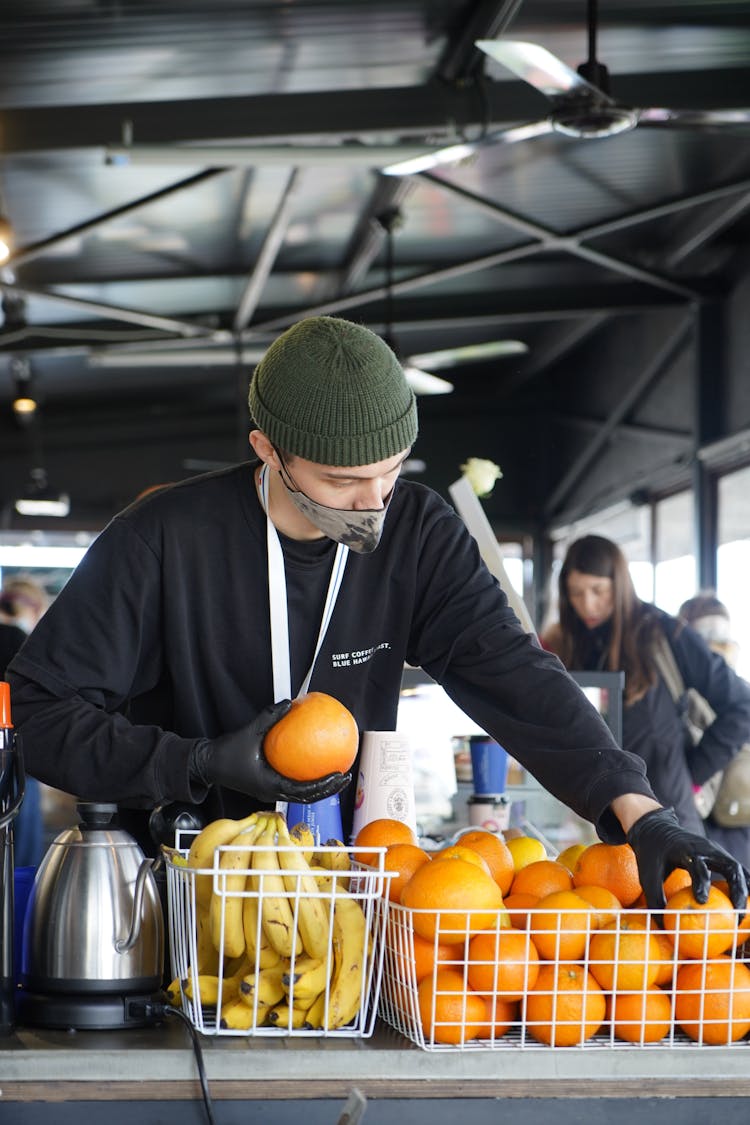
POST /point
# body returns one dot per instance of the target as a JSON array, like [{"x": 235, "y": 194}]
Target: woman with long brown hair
[{"x": 604, "y": 626}]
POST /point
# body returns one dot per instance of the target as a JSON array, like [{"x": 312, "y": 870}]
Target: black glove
[
  {"x": 236, "y": 761},
  {"x": 660, "y": 845}
]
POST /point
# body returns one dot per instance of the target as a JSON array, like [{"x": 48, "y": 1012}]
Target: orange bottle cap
[{"x": 5, "y": 720}]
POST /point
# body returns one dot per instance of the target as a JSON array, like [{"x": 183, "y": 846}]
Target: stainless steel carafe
[{"x": 94, "y": 922}]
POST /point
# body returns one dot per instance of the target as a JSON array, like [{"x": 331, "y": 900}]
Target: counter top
[{"x": 159, "y": 1062}]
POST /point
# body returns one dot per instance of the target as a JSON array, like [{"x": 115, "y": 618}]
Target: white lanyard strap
[{"x": 282, "y": 676}]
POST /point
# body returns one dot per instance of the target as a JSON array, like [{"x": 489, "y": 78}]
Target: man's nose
[{"x": 369, "y": 496}]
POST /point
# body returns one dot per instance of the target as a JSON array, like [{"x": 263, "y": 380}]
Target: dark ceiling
[{"x": 612, "y": 259}]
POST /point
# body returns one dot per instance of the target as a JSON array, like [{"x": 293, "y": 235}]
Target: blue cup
[
  {"x": 323, "y": 817},
  {"x": 489, "y": 765},
  {"x": 23, "y": 881}
]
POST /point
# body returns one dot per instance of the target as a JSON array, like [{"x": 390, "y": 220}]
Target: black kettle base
[{"x": 84, "y": 1013}]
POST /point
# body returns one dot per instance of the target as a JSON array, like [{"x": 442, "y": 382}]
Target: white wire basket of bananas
[{"x": 273, "y": 934}]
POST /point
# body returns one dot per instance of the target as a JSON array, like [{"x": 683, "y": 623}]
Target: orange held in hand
[
  {"x": 698, "y": 929},
  {"x": 317, "y": 736}
]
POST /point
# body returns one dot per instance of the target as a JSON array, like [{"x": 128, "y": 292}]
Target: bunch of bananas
[{"x": 292, "y": 952}]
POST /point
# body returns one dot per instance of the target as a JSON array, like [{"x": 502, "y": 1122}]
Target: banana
[
  {"x": 260, "y": 952},
  {"x": 312, "y": 915},
  {"x": 276, "y": 913},
  {"x": 206, "y": 954},
  {"x": 226, "y": 907},
  {"x": 303, "y": 836},
  {"x": 316, "y": 1013},
  {"x": 334, "y": 860},
  {"x": 210, "y": 988},
  {"x": 239, "y": 1016},
  {"x": 201, "y": 855},
  {"x": 305, "y": 979},
  {"x": 173, "y": 993},
  {"x": 266, "y": 986},
  {"x": 350, "y": 947},
  {"x": 282, "y": 1016}
]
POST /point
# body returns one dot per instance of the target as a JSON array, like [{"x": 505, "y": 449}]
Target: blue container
[
  {"x": 489, "y": 766},
  {"x": 323, "y": 817},
  {"x": 23, "y": 881}
]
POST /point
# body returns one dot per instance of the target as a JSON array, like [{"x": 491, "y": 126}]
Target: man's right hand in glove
[{"x": 236, "y": 761}]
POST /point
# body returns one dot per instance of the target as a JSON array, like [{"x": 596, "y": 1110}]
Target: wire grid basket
[
  {"x": 351, "y": 971},
  {"x": 587, "y": 982}
]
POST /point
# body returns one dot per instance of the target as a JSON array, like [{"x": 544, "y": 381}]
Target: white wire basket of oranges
[{"x": 500, "y": 956}]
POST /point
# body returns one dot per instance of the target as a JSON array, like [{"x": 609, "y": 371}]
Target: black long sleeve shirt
[{"x": 161, "y": 637}]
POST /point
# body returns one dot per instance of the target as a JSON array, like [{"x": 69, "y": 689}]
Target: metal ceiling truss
[{"x": 436, "y": 109}]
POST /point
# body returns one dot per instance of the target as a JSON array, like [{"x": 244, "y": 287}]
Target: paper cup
[
  {"x": 489, "y": 765},
  {"x": 323, "y": 817},
  {"x": 490, "y": 813},
  {"x": 385, "y": 786}
]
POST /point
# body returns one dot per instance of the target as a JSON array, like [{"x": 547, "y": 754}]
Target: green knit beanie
[{"x": 333, "y": 392}]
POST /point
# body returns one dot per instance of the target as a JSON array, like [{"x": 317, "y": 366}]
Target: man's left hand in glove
[{"x": 661, "y": 844}]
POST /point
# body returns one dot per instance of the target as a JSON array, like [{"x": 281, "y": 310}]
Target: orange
[
  {"x": 559, "y": 926},
  {"x": 403, "y": 859},
  {"x": 565, "y": 1007},
  {"x": 455, "y": 851},
  {"x": 518, "y": 907},
  {"x": 641, "y": 1017},
  {"x": 503, "y": 963},
  {"x": 743, "y": 927},
  {"x": 494, "y": 851},
  {"x": 317, "y": 736},
  {"x": 712, "y": 1000},
  {"x": 666, "y": 964},
  {"x": 525, "y": 850},
  {"x": 606, "y": 905},
  {"x": 613, "y": 866},
  {"x": 675, "y": 881},
  {"x": 502, "y": 1014},
  {"x": 449, "y": 1011},
  {"x": 542, "y": 877},
  {"x": 568, "y": 856},
  {"x": 451, "y": 898},
  {"x": 700, "y": 929},
  {"x": 381, "y": 833},
  {"x": 624, "y": 956},
  {"x": 427, "y": 954}
]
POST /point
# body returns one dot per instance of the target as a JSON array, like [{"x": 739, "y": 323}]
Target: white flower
[{"x": 481, "y": 475}]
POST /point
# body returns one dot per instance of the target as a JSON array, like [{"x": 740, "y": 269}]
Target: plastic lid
[{"x": 5, "y": 720}]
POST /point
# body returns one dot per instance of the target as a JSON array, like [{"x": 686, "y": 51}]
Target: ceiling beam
[
  {"x": 550, "y": 241},
  {"x": 432, "y": 107},
  {"x": 272, "y": 243},
  {"x": 34, "y": 250},
  {"x": 640, "y": 386}
]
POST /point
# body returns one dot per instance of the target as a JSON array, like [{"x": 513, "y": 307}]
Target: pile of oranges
[{"x": 487, "y": 935}]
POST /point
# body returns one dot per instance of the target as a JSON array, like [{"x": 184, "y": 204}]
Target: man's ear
[{"x": 264, "y": 450}]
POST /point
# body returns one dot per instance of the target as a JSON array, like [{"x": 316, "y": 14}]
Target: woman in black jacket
[{"x": 604, "y": 626}]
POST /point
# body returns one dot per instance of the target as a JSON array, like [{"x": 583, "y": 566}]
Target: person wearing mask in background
[
  {"x": 604, "y": 626},
  {"x": 709, "y": 617},
  {"x": 202, "y": 609},
  {"x": 22, "y": 603}
]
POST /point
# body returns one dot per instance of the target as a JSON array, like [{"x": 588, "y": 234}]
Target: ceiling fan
[{"x": 580, "y": 102}]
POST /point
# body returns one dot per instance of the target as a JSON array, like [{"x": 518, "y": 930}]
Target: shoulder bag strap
[{"x": 666, "y": 666}]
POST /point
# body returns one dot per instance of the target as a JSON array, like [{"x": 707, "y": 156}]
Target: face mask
[{"x": 358, "y": 530}]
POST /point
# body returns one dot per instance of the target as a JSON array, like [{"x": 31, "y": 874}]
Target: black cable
[{"x": 156, "y": 1011}]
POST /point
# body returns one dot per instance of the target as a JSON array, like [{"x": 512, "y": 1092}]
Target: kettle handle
[{"x": 124, "y": 945}]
